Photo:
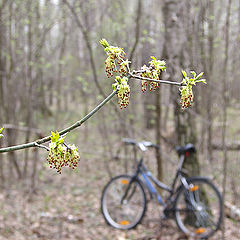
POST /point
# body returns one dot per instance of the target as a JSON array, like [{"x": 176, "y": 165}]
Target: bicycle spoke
[
  {"x": 198, "y": 210},
  {"x": 123, "y": 203}
]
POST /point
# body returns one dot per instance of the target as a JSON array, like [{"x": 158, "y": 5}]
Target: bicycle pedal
[
  {"x": 168, "y": 213},
  {"x": 163, "y": 217}
]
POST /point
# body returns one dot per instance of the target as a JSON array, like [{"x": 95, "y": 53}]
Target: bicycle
[{"x": 196, "y": 203}]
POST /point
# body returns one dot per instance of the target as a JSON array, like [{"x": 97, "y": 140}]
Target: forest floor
[{"x": 67, "y": 206}]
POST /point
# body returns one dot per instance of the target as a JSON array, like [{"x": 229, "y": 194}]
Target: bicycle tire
[
  {"x": 109, "y": 209},
  {"x": 198, "y": 222}
]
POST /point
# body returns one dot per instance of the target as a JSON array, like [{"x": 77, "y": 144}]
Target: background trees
[{"x": 52, "y": 72}]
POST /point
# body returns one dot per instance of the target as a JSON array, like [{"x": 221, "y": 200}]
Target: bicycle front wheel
[
  {"x": 123, "y": 202},
  {"x": 198, "y": 210}
]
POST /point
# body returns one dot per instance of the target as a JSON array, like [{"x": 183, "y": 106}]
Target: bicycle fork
[
  {"x": 127, "y": 190},
  {"x": 194, "y": 200}
]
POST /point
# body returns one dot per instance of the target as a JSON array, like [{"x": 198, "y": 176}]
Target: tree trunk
[
  {"x": 60, "y": 64},
  {"x": 2, "y": 73},
  {"x": 9, "y": 97},
  {"x": 34, "y": 170},
  {"x": 176, "y": 49},
  {"x": 149, "y": 101},
  {"x": 225, "y": 103},
  {"x": 210, "y": 78},
  {"x": 29, "y": 83},
  {"x": 158, "y": 133}
]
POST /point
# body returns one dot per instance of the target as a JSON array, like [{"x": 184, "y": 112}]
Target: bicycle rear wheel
[
  {"x": 123, "y": 202},
  {"x": 198, "y": 210}
]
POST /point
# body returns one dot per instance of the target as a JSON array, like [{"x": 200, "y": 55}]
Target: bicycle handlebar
[
  {"x": 181, "y": 150},
  {"x": 129, "y": 141},
  {"x": 141, "y": 145}
]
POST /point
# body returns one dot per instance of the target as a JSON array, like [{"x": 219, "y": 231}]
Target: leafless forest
[{"x": 52, "y": 73}]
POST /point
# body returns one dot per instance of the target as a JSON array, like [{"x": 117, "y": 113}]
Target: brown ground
[{"x": 67, "y": 207}]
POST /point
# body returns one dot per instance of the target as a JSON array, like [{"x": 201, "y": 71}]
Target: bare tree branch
[
  {"x": 88, "y": 44},
  {"x": 139, "y": 13},
  {"x": 68, "y": 129}
]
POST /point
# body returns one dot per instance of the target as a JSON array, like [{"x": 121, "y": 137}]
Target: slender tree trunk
[
  {"x": 225, "y": 103},
  {"x": 173, "y": 41},
  {"x": 2, "y": 84},
  {"x": 60, "y": 64},
  {"x": 210, "y": 78},
  {"x": 9, "y": 97},
  {"x": 2, "y": 70},
  {"x": 203, "y": 61},
  {"x": 38, "y": 78},
  {"x": 191, "y": 163},
  {"x": 149, "y": 101},
  {"x": 34, "y": 169},
  {"x": 12, "y": 155},
  {"x": 2, "y": 175},
  {"x": 137, "y": 31},
  {"x": 30, "y": 111},
  {"x": 158, "y": 133}
]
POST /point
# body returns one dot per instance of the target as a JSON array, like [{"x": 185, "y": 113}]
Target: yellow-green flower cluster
[
  {"x": 153, "y": 72},
  {"x": 1, "y": 135},
  {"x": 123, "y": 91},
  {"x": 186, "y": 96},
  {"x": 186, "y": 88},
  {"x": 61, "y": 155},
  {"x": 116, "y": 56},
  {"x": 123, "y": 68}
]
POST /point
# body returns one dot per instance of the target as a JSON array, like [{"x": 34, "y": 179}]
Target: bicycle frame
[{"x": 148, "y": 179}]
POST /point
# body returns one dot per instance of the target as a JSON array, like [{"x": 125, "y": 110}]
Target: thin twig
[
  {"x": 42, "y": 146},
  {"x": 154, "y": 80},
  {"x": 68, "y": 148}
]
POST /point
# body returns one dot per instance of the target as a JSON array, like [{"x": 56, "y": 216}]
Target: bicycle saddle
[
  {"x": 184, "y": 149},
  {"x": 143, "y": 145}
]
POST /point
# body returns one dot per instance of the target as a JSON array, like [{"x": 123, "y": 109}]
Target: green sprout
[{"x": 104, "y": 43}]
